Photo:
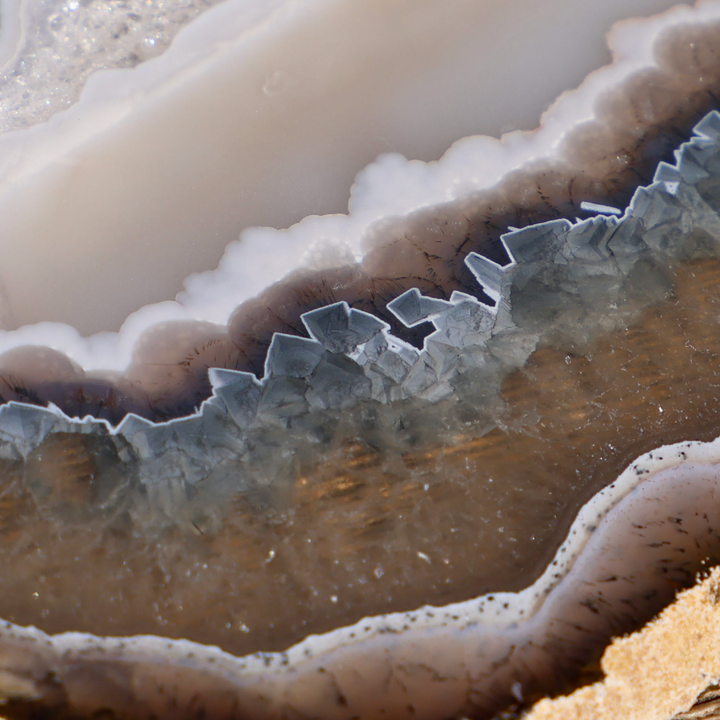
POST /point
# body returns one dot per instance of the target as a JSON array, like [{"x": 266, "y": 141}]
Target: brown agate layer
[
  {"x": 634, "y": 544},
  {"x": 360, "y": 529},
  {"x": 604, "y": 160}
]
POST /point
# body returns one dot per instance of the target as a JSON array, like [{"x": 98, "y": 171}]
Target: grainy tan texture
[{"x": 657, "y": 672}]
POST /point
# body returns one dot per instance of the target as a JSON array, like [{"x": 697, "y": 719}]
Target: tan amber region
[
  {"x": 362, "y": 527},
  {"x": 332, "y": 513}
]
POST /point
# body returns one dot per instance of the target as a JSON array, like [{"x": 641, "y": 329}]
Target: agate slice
[{"x": 430, "y": 473}]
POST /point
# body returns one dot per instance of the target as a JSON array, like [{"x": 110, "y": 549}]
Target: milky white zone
[
  {"x": 260, "y": 113},
  {"x": 439, "y": 657}
]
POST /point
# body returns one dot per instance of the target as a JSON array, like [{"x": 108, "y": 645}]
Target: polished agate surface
[{"x": 421, "y": 460}]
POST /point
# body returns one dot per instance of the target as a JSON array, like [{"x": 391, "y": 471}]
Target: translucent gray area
[{"x": 566, "y": 283}]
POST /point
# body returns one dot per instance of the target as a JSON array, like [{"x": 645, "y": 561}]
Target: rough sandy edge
[{"x": 656, "y": 672}]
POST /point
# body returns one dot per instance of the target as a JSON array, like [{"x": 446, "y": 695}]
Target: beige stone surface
[{"x": 657, "y": 672}]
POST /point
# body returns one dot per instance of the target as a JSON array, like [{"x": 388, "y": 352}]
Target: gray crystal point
[
  {"x": 387, "y": 362},
  {"x": 588, "y": 241},
  {"x": 468, "y": 323},
  {"x": 338, "y": 382},
  {"x": 657, "y": 208},
  {"x": 709, "y": 126},
  {"x": 532, "y": 249},
  {"x": 536, "y": 243},
  {"x": 693, "y": 158},
  {"x": 341, "y": 329},
  {"x": 669, "y": 175},
  {"x": 282, "y": 398},
  {"x": 492, "y": 277},
  {"x": 412, "y": 308},
  {"x": 292, "y": 356},
  {"x": 139, "y": 432},
  {"x": 23, "y": 427},
  {"x": 237, "y": 392}
]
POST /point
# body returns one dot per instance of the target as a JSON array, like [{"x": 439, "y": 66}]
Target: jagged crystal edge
[{"x": 351, "y": 356}]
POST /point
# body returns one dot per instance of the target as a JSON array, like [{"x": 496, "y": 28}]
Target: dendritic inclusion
[{"x": 364, "y": 475}]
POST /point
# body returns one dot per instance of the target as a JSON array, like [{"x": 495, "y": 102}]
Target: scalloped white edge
[{"x": 389, "y": 187}]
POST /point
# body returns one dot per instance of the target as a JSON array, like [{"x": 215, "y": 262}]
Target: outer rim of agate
[{"x": 262, "y": 677}]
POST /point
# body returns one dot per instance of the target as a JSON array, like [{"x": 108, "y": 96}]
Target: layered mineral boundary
[
  {"x": 342, "y": 464},
  {"x": 596, "y": 145},
  {"x": 566, "y": 284},
  {"x": 568, "y": 288}
]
